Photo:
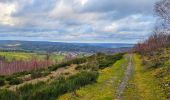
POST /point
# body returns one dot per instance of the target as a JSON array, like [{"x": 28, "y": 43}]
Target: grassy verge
[
  {"x": 142, "y": 85},
  {"x": 105, "y": 88}
]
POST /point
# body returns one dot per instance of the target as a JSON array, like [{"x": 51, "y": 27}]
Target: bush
[
  {"x": 1, "y": 76},
  {"x": 8, "y": 95},
  {"x": 2, "y": 82},
  {"x": 108, "y": 60},
  {"x": 26, "y": 90},
  {"x": 61, "y": 86},
  {"x": 38, "y": 74},
  {"x": 68, "y": 63},
  {"x": 103, "y": 61},
  {"x": 100, "y": 61},
  {"x": 15, "y": 81},
  {"x": 35, "y": 74},
  {"x": 43, "y": 91},
  {"x": 55, "y": 67},
  {"x": 78, "y": 60},
  {"x": 9, "y": 78},
  {"x": 81, "y": 67},
  {"x": 88, "y": 66},
  {"x": 21, "y": 74}
]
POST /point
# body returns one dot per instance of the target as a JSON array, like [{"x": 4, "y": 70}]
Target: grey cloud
[{"x": 34, "y": 19}]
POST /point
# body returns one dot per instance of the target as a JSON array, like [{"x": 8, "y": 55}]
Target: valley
[
  {"x": 84, "y": 49},
  {"x": 119, "y": 76}
]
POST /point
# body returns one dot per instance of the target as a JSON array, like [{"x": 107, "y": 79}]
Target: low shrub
[
  {"x": 88, "y": 66},
  {"x": 1, "y": 76},
  {"x": 35, "y": 74},
  {"x": 55, "y": 67},
  {"x": 78, "y": 60},
  {"x": 38, "y": 74},
  {"x": 50, "y": 91},
  {"x": 21, "y": 74},
  {"x": 68, "y": 63},
  {"x": 15, "y": 81},
  {"x": 9, "y": 78},
  {"x": 8, "y": 95},
  {"x": 99, "y": 61},
  {"x": 62, "y": 85},
  {"x": 2, "y": 82},
  {"x": 81, "y": 67},
  {"x": 26, "y": 90},
  {"x": 107, "y": 60}
]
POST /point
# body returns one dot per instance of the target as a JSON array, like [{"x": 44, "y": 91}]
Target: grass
[
  {"x": 142, "y": 85},
  {"x": 57, "y": 57},
  {"x": 105, "y": 87},
  {"x": 10, "y": 56}
]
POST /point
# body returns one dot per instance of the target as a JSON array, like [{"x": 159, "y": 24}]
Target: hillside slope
[
  {"x": 98, "y": 77},
  {"x": 58, "y": 79},
  {"x": 43, "y": 46},
  {"x": 135, "y": 77}
]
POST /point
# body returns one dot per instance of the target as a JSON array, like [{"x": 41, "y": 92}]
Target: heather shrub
[
  {"x": 26, "y": 90},
  {"x": 108, "y": 60},
  {"x": 8, "y": 95},
  {"x": 2, "y": 81},
  {"x": 15, "y": 81},
  {"x": 55, "y": 67},
  {"x": 38, "y": 74},
  {"x": 35, "y": 74},
  {"x": 68, "y": 63},
  {"x": 99, "y": 61},
  {"x": 62, "y": 85}
]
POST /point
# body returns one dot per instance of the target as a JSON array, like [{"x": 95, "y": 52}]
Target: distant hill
[
  {"x": 109, "y": 45},
  {"x": 62, "y": 47}
]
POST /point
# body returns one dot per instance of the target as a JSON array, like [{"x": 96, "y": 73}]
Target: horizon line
[{"x": 67, "y": 41}]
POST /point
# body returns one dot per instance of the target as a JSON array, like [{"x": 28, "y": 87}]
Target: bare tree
[
  {"x": 161, "y": 35},
  {"x": 162, "y": 9}
]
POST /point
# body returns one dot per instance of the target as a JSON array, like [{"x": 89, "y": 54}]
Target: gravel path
[{"x": 128, "y": 74}]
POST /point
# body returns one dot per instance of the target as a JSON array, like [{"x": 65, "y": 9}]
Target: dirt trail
[{"x": 128, "y": 74}]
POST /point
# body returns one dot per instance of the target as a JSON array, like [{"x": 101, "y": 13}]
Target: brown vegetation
[
  {"x": 7, "y": 68},
  {"x": 155, "y": 41},
  {"x": 161, "y": 36}
]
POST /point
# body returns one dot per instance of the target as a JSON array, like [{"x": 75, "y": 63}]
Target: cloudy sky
[{"x": 115, "y": 21}]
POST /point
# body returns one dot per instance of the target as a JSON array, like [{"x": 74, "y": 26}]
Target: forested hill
[{"x": 60, "y": 46}]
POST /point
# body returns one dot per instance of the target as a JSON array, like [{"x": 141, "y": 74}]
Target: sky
[{"x": 97, "y": 21}]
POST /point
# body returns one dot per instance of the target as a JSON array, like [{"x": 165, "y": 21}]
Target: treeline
[
  {"x": 154, "y": 42},
  {"x": 50, "y": 91}
]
